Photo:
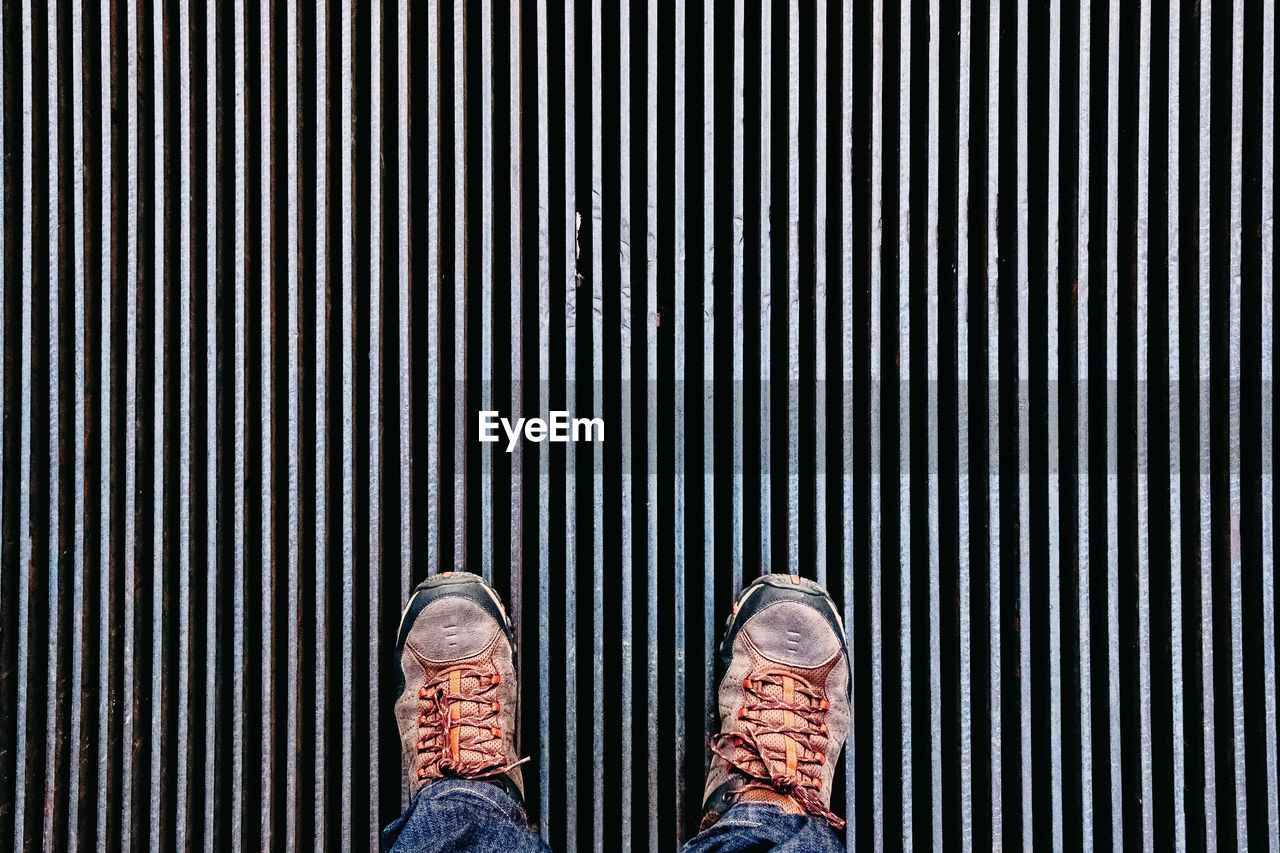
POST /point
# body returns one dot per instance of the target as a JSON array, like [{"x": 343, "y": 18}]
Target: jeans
[{"x": 461, "y": 816}]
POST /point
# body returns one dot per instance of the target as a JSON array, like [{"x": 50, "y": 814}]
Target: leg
[
  {"x": 456, "y": 711},
  {"x": 752, "y": 827},
  {"x": 457, "y": 815},
  {"x": 784, "y": 702}
]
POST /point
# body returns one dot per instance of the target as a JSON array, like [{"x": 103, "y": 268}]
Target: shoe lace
[
  {"x": 465, "y": 745},
  {"x": 754, "y": 745}
]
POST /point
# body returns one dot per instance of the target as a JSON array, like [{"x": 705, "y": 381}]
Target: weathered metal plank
[
  {"x": 80, "y": 482},
  {"x": 1267, "y": 425},
  {"x": 295, "y": 639},
  {"x": 1058, "y": 427},
  {"x": 131, "y": 794},
  {"x": 1203, "y": 413},
  {"x": 902, "y": 376},
  {"x": 847, "y": 402},
  {"x": 486, "y": 282},
  {"x": 709, "y": 56},
  {"x": 679, "y": 251},
  {"x": 346, "y": 810},
  {"x": 1234, "y": 461},
  {"x": 213, "y": 411},
  {"x": 739, "y": 106},
  {"x": 159, "y": 280},
  {"x": 964, "y": 444},
  {"x": 1143, "y": 437},
  {"x": 651, "y": 411},
  {"x": 1176, "y": 480},
  {"x": 378, "y": 699},
  {"x": 322, "y": 807},
  {"x": 1024, "y": 615},
  {"x": 460, "y": 213},
  {"x": 544, "y": 404},
  {"x": 112, "y": 791},
  {"x": 186, "y": 823},
  {"x": 875, "y": 357},
  {"x": 598, "y": 785},
  {"x": 435, "y": 293},
  {"x": 266, "y": 256},
  {"x": 1084, "y": 141},
  {"x": 992, "y": 426},
  {"x": 793, "y": 287},
  {"x": 24, "y": 628},
  {"x": 572, "y": 223},
  {"x": 404, "y": 302},
  {"x": 54, "y": 745},
  {"x": 933, "y": 376},
  {"x": 821, "y": 468},
  {"x": 1111, "y": 508},
  {"x": 625, "y": 488},
  {"x": 765, "y": 302}
]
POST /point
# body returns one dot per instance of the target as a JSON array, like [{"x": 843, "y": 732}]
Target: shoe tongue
[
  {"x": 782, "y": 751},
  {"x": 461, "y": 736}
]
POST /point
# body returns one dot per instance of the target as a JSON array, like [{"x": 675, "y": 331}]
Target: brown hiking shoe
[
  {"x": 785, "y": 700},
  {"x": 458, "y": 691}
]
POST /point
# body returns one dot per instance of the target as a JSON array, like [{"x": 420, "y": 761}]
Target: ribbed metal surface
[{"x": 966, "y": 310}]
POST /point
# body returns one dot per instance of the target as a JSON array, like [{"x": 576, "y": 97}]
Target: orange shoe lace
[
  {"x": 470, "y": 746},
  {"x": 751, "y": 752}
]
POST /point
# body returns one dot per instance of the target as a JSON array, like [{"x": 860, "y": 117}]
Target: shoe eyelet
[
  {"x": 496, "y": 678},
  {"x": 496, "y": 732},
  {"x": 494, "y": 706}
]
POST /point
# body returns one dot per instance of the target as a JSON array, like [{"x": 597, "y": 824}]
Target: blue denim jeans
[{"x": 459, "y": 816}]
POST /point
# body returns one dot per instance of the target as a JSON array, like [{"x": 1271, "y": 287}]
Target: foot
[
  {"x": 784, "y": 700},
  {"x": 458, "y": 685}
]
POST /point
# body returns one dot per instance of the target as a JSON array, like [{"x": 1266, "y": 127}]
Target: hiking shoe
[
  {"x": 458, "y": 688},
  {"x": 785, "y": 701}
]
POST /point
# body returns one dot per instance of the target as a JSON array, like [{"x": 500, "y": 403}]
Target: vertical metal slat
[
  {"x": 460, "y": 276},
  {"x": 1057, "y": 425},
  {"x": 626, "y": 283},
  {"x": 964, "y": 444},
  {"x": 80, "y": 484},
  {"x": 294, "y": 725},
  {"x": 266, "y": 282},
  {"x": 1083, "y": 565},
  {"x": 1234, "y": 376},
  {"x": 572, "y": 224},
  {"x": 377, "y": 699},
  {"x": 995, "y": 700},
  {"x": 933, "y": 473},
  {"x": 679, "y": 404},
  {"x": 875, "y": 358},
  {"x": 1025, "y": 615},
  {"x": 1203, "y": 436},
  {"x": 651, "y": 408},
  {"x": 1176, "y": 480},
  {"x": 1267, "y": 425},
  {"x": 1143, "y": 237}
]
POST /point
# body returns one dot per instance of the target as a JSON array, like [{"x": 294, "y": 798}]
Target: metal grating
[{"x": 263, "y": 263}]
